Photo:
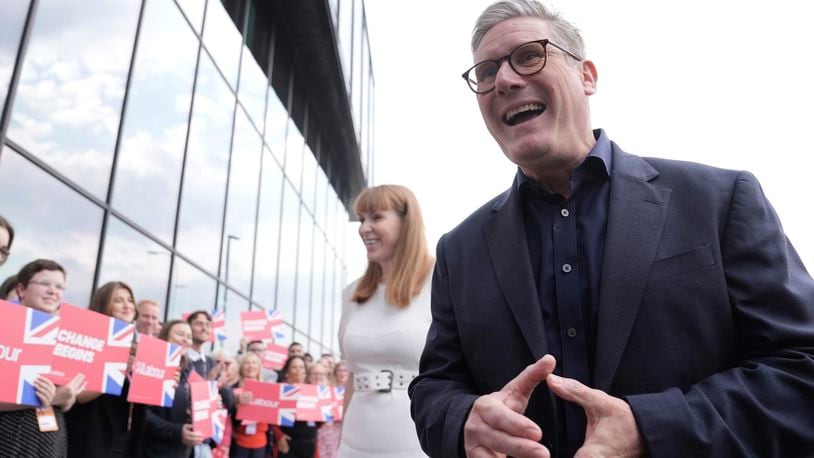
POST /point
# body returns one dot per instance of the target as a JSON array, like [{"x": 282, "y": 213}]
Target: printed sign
[
  {"x": 201, "y": 407},
  {"x": 153, "y": 379},
  {"x": 310, "y": 407},
  {"x": 339, "y": 402},
  {"x": 275, "y": 356},
  {"x": 273, "y": 403},
  {"x": 255, "y": 326},
  {"x": 27, "y": 340},
  {"x": 92, "y": 344}
]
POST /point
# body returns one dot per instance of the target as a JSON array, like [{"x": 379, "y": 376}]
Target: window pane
[
  {"x": 309, "y": 172},
  {"x": 321, "y": 194},
  {"x": 242, "y": 207},
  {"x": 71, "y": 88},
  {"x": 289, "y": 240},
  {"x": 50, "y": 221},
  {"x": 131, "y": 257},
  {"x": 293, "y": 154},
  {"x": 346, "y": 38},
  {"x": 194, "y": 11},
  {"x": 12, "y": 22},
  {"x": 276, "y": 124},
  {"x": 233, "y": 305},
  {"x": 191, "y": 290},
  {"x": 201, "y": 213},
  {"x": 304, "y": 265},
  {"x": 155, "y": 124},
  {"x": 222, "y": 39},
  {"x": 268, "y": 232},
  {"x": 253, "y": 85},
  {"x": 317, "y": 284}
]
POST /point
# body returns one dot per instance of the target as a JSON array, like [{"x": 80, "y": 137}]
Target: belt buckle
[{"x": 389, "y": 388}]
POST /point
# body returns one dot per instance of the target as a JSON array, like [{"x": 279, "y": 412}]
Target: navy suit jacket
[{"x": 705, "y": 324}]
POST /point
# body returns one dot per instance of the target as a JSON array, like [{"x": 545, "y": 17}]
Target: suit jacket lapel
[
  {"x": 505, "y": 237},
  {"x": 636, "y": 216}
]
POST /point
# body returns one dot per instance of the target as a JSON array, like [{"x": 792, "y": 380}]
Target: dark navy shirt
[{"x": 566, "y": 240}]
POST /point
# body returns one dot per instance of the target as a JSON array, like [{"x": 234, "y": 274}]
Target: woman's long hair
[
  {"x": 100, "y": 302},
  {"x": 411, "y": 259}
]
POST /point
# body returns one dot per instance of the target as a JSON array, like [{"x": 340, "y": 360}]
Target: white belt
[{"x": 383, "y": 381}]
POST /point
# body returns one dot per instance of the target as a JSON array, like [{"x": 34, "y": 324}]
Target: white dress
[{"x": 374, "y": 336}]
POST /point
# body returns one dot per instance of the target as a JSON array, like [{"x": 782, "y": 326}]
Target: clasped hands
[{"x": 496, "y": 426}]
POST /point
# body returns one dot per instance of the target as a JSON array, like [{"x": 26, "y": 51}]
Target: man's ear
[{"x": 589, "y": 77}]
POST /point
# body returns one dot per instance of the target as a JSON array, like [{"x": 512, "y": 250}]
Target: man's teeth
[{"x": 523, "y": 108}]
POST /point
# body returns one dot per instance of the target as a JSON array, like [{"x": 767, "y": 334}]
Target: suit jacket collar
[{"x": 629, "y": 253}]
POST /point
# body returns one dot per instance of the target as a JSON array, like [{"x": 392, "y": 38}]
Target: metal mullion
[
  {"x": 171, "y": 277},
  {"x": 22, "y": 48},
  {"x": 114, "y": 163}
]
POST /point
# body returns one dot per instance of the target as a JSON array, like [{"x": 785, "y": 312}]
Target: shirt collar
[
  {"x": 193, "y": 355},
  {"x": 598, "y": 160}
]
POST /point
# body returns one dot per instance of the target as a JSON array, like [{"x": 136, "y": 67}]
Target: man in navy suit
[{"x": 607, "y": 304}]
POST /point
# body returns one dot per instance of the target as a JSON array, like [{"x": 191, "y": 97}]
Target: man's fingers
[
  {"x": 498, "y": 417},
  {"x": 574, "y": 391},
  {"x": 481, "y": 452},
  {"x": 519, "y": 389}
]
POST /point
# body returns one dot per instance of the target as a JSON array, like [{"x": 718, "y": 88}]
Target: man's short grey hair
[{"x": 565, "y": 33}]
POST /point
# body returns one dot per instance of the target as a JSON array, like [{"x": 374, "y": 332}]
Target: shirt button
[
  {"x": 564, "y": 213},
  {"x": 566, "y": 268},
  {"x": 572, "y": 332}
]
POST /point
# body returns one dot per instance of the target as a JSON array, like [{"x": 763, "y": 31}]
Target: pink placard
[{"x": 153, "y": 379}]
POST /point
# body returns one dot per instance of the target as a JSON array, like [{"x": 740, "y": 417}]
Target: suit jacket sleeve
[
  {"x": 762, "y": 406},
  {"x": 441, "y": 395}
]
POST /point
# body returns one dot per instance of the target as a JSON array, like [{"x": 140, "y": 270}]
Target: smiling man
[{"x": 606, "y": 303}]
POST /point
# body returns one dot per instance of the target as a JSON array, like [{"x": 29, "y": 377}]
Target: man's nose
[{"x": 506, "y": 78}]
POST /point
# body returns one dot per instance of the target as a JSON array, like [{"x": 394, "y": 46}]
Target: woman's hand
[
  {"x": 282, "y": 444},
  {"x": 65, "y": 395},
  {"x": 45, "y": 390},
  {"x": 190, "y": 437},
  {"x": 245, "y": 397}
]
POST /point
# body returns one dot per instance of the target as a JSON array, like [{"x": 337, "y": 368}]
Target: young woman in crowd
[
  {"x": 385, "y": 318},
  {"x": 40, "y": 285},
  {"x": 251, "y": 439},
  {"x": 329, "y": 433},
  {"x": 298, "y": 441},
  {"x": 105, "y": 425},
  {"x": 168, "y": 431}
]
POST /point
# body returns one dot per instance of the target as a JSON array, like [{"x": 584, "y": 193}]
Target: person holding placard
[
  {"x": 105, "y": 425},
  {"x": 251, "y": 438},
  {"x": 168, "y": 431},
  {"x": 298, "y": 441},
  {"x": 42, "y": 432}
]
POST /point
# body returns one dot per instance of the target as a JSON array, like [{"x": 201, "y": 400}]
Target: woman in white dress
[{"x": 385, "y": 318}]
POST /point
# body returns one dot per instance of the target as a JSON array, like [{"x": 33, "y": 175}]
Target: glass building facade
[{"x": 204, "y": 152}]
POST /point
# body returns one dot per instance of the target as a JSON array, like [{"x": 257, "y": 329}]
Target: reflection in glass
[
  {"x": 345, "y": 33},
  {"x": 309, "y": 172},
  {"x": 293, "y": 154},
  {"x": 304, "y": 271},
  {"x": 155, "y": 124},
  {"x": 131, "y": 257},
  {"x": 241, "y": 208},
  {"x": 332, "y": 296},
  {"x": 234, "y": 305},
  {"x": 253, "y": 85},
  {"x": 340, "y": 281},
  {"x": 190, "y": 290},
  {"x": 194, "y": 10},
  {"x": 317, "y": 288},
  {"x": 321, "y": 183},
  {"x": 330, "y": 223},
  {"x": 201, "y": 212},
  {"x": 268, "y": 232},
  {"x": 50, "y": 221},
  {"x": 289, "y": 240},
  {"x": 276, "y": 124},
  {"x": 11, "y": 26},
  {"x": 67, "y": 105},
  {"x": 222, "y": 39}
]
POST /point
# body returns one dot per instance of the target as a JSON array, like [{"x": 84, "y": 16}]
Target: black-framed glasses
[{"x": 526, "y": 59}]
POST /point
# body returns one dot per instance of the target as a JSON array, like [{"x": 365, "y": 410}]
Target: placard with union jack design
[
  {"x": 275, "y": 356},
  {"x": 153, "y": 379},
  {"x": 273, "y": 403},
  {"x": 93, "y": 344},
  {"x": 309, "y": 407},
  {"x": 201, "y": 407},
  {"x": 255, "y": 326},
  {"x": 218, "y": 324},
  {"x": 27, "y": 339},
  {"x": 339, "y": 400}
]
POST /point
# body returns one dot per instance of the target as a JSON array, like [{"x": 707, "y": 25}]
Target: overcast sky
[{"x": 721, "y": 82}]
